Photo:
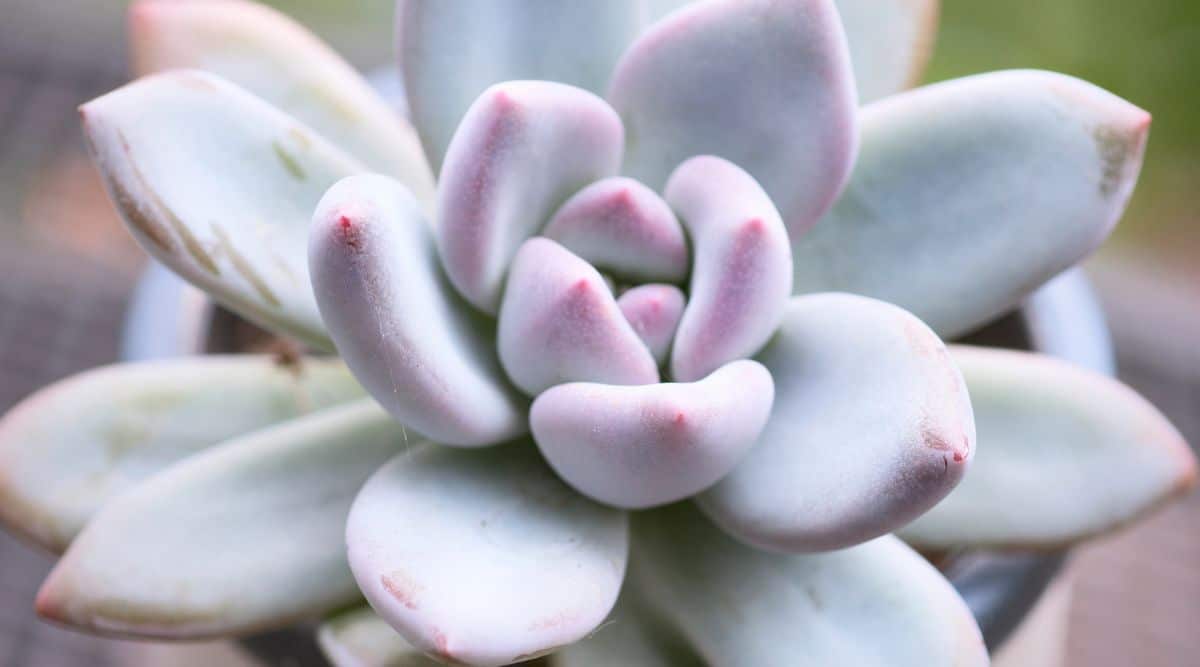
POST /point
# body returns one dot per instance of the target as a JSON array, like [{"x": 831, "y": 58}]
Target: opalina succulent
[{"x": 666, "y": 329}]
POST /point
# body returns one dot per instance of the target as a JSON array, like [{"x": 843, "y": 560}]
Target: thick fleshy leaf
[
  {"x": 242, "y": 538},
  {"x": 220, "y": 187},
  {"x": 72, "y": 446},
  {"x": 955, "y": 179},
  {"x": 559, "y": 323},
  {"x": 637, "y": 447},
  {"x": 484, "y": 558},
  {"x": 453, "y": 50},
  {"x": 742, "y": 273},
  {"x": 654, "y": 311},
  {"x": 624, "y": 227},
  {"x": 279, "y": 60},
  {"x": 891, "y": 41},
  {"x": 764, "y": 84},
  {"x": 877, "y": 604},
  {"x": 523, "y": 148},
  {"x": 871, "y": 427},
  {"x": 420, "y": 350},
  {"x": 1065, "y": 454},
  {"x": 360, "y": 638}
]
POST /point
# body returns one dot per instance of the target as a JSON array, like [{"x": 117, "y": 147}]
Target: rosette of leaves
[{"x": 661, "y": 342}]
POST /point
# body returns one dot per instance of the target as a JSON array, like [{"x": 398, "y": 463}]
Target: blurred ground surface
[{"x": 67, "y": 267}]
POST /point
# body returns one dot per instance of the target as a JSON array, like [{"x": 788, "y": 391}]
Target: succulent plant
[{"x": 679, "y": 345}]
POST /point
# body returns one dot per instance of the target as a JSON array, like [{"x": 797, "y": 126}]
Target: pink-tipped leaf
[
  {"x": 653, "y": 311},
  {"x": 637, "y": 447},
  {"x": 621, "y": 226},
  {"x": 871, "y": 427},
  {"x": 485, "y": 557},
  {"x": 1064, "y": 454},
  {"x": 453, "y": 50},
  {"x": 1008, "y": 178},
  {"x": 560, "y": 323},
  {"x": 742, "y": 273},
  {"x": 765, "y": 84},
  {"x": 523, "y": 148},
  {"x": 420, "y": 350}
]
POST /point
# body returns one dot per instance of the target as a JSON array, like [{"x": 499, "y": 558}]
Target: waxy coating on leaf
[
  {"x": 421, "y": 351},
  {"x": 484, "y": 557},
  {"x": 523, "y": 148},
  {"x": 891, "y": 41},
  {"x": 624, "y": 227},
  {"x": 72, "y": 446},
  {"x": 1065, "y": 454},
  {"x": 279, "y": 60},
  {"x": 637, "y": 447},
  {"x": 871, "y": 427},
  {"x": 877, "y": 604},
  {"x": 742, "y": 272},
  {"x": 453, "y": 50},
  {"x": 559, "y": 323},
  {"x": 242, "y": 538},
  {"x": 654, "y": 311},
  {"x": 765, "y": 84},
  {"x": 219, "y": 186},
  {"x": 1008, "y": 178}
]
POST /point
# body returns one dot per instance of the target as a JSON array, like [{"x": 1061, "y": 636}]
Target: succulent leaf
[
  {"x": 244, "y": 537},
  {"x": 226, "y": 201},
  {"x": 637, "y": 447},
  {"x": 360, "y": 638},
  {"x": 453, "y": 50},
  {"x": 277, "y": 59},
  {"x": 420, "y": 350},
  {"x": 484, "y": 557},
  {"x": 955, "y": 179},
  {"x": 742, "y": 271},
  {"x": 1065, "y": 454},
  {"x": 764, "y": 84},
  {"x": 623, "y": 227},
  {"x": 74, "y": 445},
  {"x": 871, "y": 427},
  {"x": 559, "y": 323},
  {"x": 653, "y": 311},
  {"x": 891, "y": 41},
  {"x": 879, "y": 603},
  {"x": 523, "y": 148}
]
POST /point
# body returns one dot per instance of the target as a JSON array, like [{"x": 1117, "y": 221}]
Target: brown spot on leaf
[
  {"x": 190, "y": 242},
  {"x": 441, "y": 649},
  {"x": 404, "y": 590},
  {"x": 1115, "y": 147},
  {"x": 290, "y": 164},
  {"x": 244, "y": 267},
  {"x": 288, "y": 355}
]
